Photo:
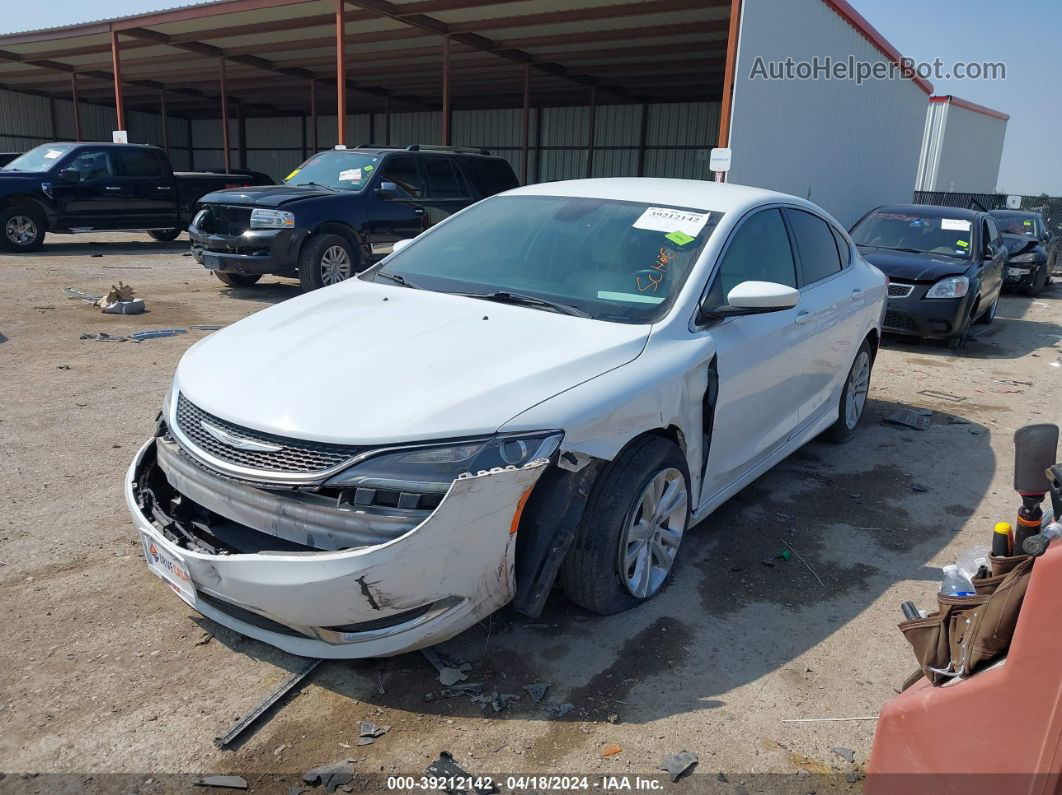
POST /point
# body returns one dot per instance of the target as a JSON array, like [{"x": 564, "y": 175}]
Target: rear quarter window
[{"x": 489, "y": 175}]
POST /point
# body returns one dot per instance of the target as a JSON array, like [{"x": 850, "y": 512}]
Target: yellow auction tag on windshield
[{"x": 292, "y": 174}]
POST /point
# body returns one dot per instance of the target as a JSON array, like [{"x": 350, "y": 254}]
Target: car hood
[
  {"x": 264, "y": 195},
  {"x": 364, "y": 363},
  {"x": 913, "y": 267},
  {"x": 30, "y": 175},
  {"x": 1015, "y": 243}
]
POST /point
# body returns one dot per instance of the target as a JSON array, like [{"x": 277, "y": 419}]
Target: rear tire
[
  {"x": 626, "y": 544},
  {"x": 238, "y": 279},
  {"x": 326, "y": 259},
  {"x": 21, "y": 229},
  {"x": 165, "y": 235},
  {"x": 853, "y": 397}
]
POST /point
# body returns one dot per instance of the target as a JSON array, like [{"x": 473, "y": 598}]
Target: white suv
[{"x": 550, "y": 386}]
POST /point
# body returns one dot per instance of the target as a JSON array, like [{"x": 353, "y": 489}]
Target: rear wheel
[
  {"x": 626, "y": 544},
  {"x": 238, "y": 279},
  {"x": 853, "y": 397},
  {"x": 21, "y": 229},
  {"x": 165, "y": 235},
  {"x": 326, "y": 259}
]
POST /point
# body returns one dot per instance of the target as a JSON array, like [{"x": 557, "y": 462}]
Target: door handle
[
  {"x": 112, "y": 187},
  {"x": 419, "y": 210},
  {"x": 857, "y": 294},
  {"x": 163, "y": 187},
  {"x": 802, "y": 318}
]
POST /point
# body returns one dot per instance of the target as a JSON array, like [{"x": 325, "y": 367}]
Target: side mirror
[
  {"x": 399, "y": 245},
  {"x": 69, "y": 176},
  {"x": 387, "y": 190},
  {"x": 755, "y": 298}
]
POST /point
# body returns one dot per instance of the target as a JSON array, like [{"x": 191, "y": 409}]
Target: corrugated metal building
[
  {"x": 606, "y": 88},
  {"x": 962, "y": 145}
]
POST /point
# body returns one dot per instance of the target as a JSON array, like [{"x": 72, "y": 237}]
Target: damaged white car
[{"x": 548, "y": 388}]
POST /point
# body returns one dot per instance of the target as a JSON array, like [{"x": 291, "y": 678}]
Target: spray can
[{"x": 1001, "y": 540}]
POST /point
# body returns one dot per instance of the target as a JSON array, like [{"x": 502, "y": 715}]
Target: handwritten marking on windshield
[{"x": 663, "y": 259}]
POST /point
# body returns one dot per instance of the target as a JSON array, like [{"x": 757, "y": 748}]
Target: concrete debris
[
  {"x": 537, "y": 690},
  {"x": 330, "y": 776},
  {"x": 847, "y": 754},
  {"x": 227, "y": 782},
  {"x": 678, "y": 764},
  {"x": 560, "y": 710},
  {"x": 909, "y": 418},
  {"x": 449, "y": 771},
  {"x": 611, "y": 750}
]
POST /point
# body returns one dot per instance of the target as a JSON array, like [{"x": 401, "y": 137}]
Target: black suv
[{"x": 339, "y": 212}]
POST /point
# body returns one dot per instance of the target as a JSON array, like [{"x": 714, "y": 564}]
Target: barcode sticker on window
[{"x": 664, "y": 219}]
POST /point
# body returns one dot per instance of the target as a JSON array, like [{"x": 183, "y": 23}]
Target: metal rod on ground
[
  {"x": 819, "y": 720},
  {"x": 251, "y": 717},
  {"x": 801, "y": 558}
]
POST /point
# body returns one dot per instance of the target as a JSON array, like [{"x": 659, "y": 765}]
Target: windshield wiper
[
  {"x": 394, "y": 277},
  {"x": 318, "y": 185},
  {"x": 895, "y": 248},
  {"x": 519, "y": 299}
]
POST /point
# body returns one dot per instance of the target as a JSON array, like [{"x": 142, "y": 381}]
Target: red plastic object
[{"x": 999, "y": 731}]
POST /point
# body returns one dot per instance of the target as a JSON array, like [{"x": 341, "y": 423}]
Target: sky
[{"x": 1023, "y": 34}]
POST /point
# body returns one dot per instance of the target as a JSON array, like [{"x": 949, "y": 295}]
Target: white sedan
[{"x": 550, "y": 387}]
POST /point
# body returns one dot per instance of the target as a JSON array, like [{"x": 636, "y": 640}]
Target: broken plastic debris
[
  {"x": 611, "y": 750},
  {"x": 133, "y": 307},
  {"x": 228, "y": 782},
  {"x": 103, "y": 336},
  {"x": 451, "y": 676},
  {"x": 847, "y": 754},
  {"x": 80, "y": 295},
  {"x": 560, "y": 710},
  {"x": 369, "y": 731},
  {"x": 151, "y": 334},
  {"x": 207, "y": 326},
  {"x": 537, "y": 690},
  {"x": 330, "y": 776},
  {"x": 498, "y": 701},
  {"x": 449, "y": 771},
  {"x": 909, "y": 418},
  {"x": 677, "y": 764}
]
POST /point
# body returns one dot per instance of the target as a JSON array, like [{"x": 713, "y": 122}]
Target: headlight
[
  {"x": 200, "y": 216},
  {"x": 272, "y": 219},
  {"x": 433, "y": 469},
  {"x": 1029, "y": 257},
  {"x": 952, "y": 287}
]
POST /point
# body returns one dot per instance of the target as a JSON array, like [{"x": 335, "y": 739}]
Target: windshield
[
  {"x": 40, "y": 158},
  {"x": 337, "y": 169},
  {"x": 1016, "y": 224},
  {"x": 610, "y": 260},
  {"x": 912, "y": 231}
]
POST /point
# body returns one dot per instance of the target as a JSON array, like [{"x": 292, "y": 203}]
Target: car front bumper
[
  {"x": 916, "y": 315},
  {"x": 255, "y": 252},
  {"x": 453, "y": 569},
  {"x": 1021, "y": 274}
]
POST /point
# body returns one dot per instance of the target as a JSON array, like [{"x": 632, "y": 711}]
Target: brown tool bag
[{"x": 968, "y": 633}]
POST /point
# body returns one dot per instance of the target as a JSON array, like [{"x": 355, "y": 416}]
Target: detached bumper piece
[{"x": 318, "y": 577}]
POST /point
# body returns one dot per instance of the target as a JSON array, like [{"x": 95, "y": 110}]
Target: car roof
[
  {"x": 1002, "y": 211},
  {"x": 107, "y": 144},
  {"x": 385, "y": 150},
  {"x": 696, "y": 193},
  {"x": 929, "y": 210}
]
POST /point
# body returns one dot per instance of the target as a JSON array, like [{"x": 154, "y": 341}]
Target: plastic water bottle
[{"x": 956, "y": 583}]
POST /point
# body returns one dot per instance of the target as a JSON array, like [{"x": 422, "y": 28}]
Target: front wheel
[
  {"x": 164, "y": 235},
  {"x": 989, "y": 314},
  {"x": 1039, "y": 282},
  {"x": 325, "y": 259},
  {"x": 21, "y": 229},
  {"x": 853, "y": 397},
  {"x": 237, "y": 279},
  {"x": 626, "y": 544}
]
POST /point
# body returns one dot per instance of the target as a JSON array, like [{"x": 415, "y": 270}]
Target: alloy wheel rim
[
  {"x": 335, "y": 265},
  {"x": 20, "y": 230},
  {"x": 653, "y": 533},
  {"x": 858, "y": 386}
]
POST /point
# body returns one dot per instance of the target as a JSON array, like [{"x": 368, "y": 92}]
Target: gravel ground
[{"x": 109, "y": 680}]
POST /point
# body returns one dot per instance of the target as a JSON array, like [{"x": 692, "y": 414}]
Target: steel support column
[
  {"x": 387, "y": 121},
  {"x": 446, "y": 92},
  {"x": 341, "y": 74},
  {"x": 77, "y": 106},
  {"x": 313, "y": 115},
  {"x": 525, "y": 124},
  {"x": 590, "y": 132},
  {"x": 165, "y": 121},
  {"x": 642, "y": 135},
  {"x": 241, "y": 131},
  {"x": 722, "y": 139},
  {"x": 224, "y": 117},
  {"x": 116, "y": 64}
]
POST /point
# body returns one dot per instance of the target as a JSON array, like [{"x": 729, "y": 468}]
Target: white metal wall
[
  {"x": 846, "y": 147},
  {"x": 961, "y": 150}
]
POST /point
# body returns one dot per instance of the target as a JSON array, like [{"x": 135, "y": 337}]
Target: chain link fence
[{"x": 1048, "y": 206}]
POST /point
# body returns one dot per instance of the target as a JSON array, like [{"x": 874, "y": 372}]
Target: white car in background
[{"x": 551, "y": 385}]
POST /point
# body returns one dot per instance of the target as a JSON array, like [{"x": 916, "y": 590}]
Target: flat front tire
[
  {"x": 326, "y": 259},
  {"x": 237, "y": 279},
  {"x": 21, "y": 229},
  {"x": 626, "y": 544},
  {"x": 164, "y": 235},
  {"x": 853, "y": 396}
]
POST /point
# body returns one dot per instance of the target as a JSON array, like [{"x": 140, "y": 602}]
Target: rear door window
[
  {"x": 140, "y": 163},
  {"x": 816, "y": 245},
  {"x": 404, "y": 171},
  {"x": 443, "y": 180},
  {"x": 489, "y": 175}
]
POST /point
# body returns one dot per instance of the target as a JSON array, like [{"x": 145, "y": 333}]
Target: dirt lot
[{"x": 104, "y": 671}]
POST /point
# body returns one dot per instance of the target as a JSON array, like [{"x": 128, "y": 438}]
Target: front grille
[
  {"x": 225, "y": 220},
  {"x": 296, "y": 456},
  {"x": 900, "y": 290},
  {"x": 899, "y": 322}
]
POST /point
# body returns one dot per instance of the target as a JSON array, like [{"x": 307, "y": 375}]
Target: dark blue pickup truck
[{"x": 99, "y": 187}]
